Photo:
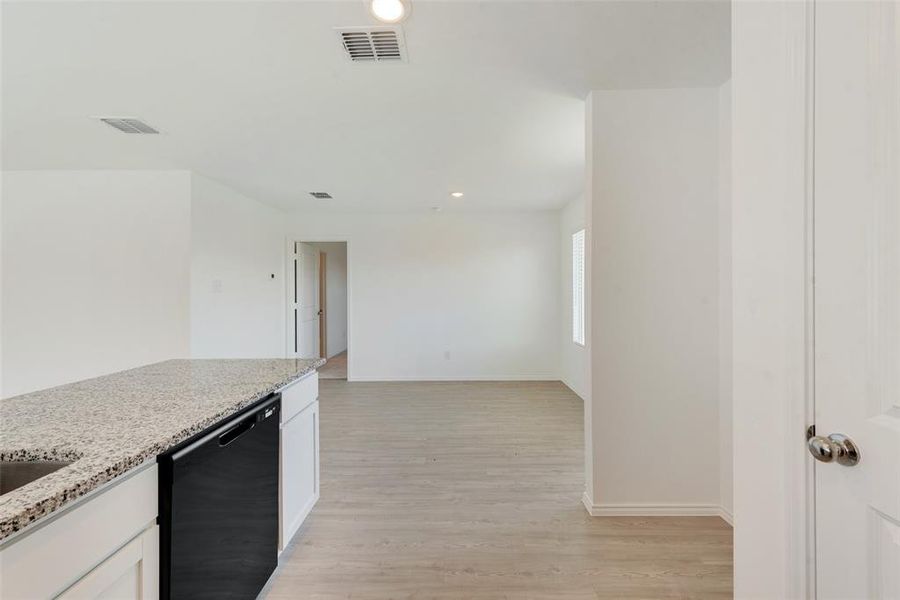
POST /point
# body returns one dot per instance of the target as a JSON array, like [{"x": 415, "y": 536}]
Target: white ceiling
[{"x": 259, "y": 96}]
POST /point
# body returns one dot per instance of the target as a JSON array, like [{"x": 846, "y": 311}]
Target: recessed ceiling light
[
  {"x": 388, "y": 11},
  {"x": 456, "y": 194},
  {"x": 436, "y": 208}
]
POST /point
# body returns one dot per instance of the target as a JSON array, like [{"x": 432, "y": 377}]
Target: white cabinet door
[
  {"x": 299, "y": 470},
  {"x": 132, "y": 573}
]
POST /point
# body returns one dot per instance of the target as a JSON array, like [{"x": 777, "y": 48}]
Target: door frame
[
  {"x": 323, "y": 306},
  {"x": 783, "y": 32},
  {"x": 804, "y": 530},
  {"x": 289, "y": 242}
]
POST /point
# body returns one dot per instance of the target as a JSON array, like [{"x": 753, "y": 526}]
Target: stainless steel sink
[{"x": 15, "y": 474}]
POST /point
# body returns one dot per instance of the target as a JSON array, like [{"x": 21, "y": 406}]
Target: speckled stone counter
[{"x": 111, "y": 424}]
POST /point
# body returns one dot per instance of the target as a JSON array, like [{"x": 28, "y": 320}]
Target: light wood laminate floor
[
  {"x": 335, "y": 368},
  {"x": 473, "y": 490}
]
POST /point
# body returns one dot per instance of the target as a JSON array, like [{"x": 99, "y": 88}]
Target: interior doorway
[{"x": 318, "y": 315}]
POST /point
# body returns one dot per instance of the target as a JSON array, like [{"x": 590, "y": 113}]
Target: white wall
[
  {"x": 769, "y": 43},
  {"x": 95, "y": 273},
  {"x": 448, "y": 295},
  {"x": 237, "y": 244},
  {"x": 335, "y": 296},
  {"x": 726, "y": 479},
  {"x": 572, "y": 357},
  {"x": 653, "y": 189},
  {"x": 135, "y": 267}
]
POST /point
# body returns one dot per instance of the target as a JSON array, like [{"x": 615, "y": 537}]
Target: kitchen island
[{"x": 111, "y": 429}]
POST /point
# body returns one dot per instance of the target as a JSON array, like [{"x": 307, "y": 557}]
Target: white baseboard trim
[
  {"x": 573, "y": 390},
  {"x": 655, "y": 510},
  {"x": 455, "y": 378},
  {"x": 588, "y": 503},
  {"x": 726, "y": 515}
]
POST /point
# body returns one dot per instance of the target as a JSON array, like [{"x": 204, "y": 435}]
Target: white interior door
[
  {"x": 306, "y": 300},
  {"x": 857, "y": 296}
]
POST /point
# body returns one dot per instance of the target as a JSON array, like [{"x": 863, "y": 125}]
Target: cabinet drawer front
[{"x": 299, "y": 395}]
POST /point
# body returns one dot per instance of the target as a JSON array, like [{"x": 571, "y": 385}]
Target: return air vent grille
[
  {"x": 320, "y": 195},
  {"x": 373, "y": 44},
  {"x": 128, "y": 125}
]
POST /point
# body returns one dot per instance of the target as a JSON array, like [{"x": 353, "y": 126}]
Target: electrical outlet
[{"x": 446, "y": 355}]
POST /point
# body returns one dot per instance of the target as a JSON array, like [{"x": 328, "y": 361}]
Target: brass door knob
[{"x": 834, "y": 448}]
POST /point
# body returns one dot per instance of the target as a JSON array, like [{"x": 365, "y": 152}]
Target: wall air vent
[
  {"x": 373, "y": 44},
  {"x": 128, "y": 125},
  {"x": 320, "y": 195}
]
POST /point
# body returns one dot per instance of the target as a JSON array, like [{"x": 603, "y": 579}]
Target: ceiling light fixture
[
  {"x": 388, "y": 11},
  {"x": 456, "y": 194}
]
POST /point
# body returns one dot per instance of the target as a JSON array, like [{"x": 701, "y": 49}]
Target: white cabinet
[
  {"x": 104, "y": 544},
  {"x": 299, "y": 485},
  {"x": 132, "y": 573}
]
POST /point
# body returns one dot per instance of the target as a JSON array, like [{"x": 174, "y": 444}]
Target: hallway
[{"x": 335, "y": 368}]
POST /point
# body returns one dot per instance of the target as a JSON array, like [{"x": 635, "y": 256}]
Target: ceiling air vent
[
  {"x": 128, "y": 125},
  {"x": 373, "y": 44},
  {"x": 320, "y": 195}
]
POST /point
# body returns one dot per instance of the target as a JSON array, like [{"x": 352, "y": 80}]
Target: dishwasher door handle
[{"x": 236, "y": 432}]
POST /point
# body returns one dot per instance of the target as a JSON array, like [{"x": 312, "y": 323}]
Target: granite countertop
[{"x": 111, "y": 424}]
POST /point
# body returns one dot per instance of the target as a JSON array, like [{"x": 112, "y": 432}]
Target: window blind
[{"x": 578, "y": 287}]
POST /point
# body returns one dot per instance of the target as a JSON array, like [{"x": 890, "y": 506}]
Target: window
[{"x": 578, "y": 287}]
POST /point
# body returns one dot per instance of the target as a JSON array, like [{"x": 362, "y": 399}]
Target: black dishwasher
[{"x": 218, "y": 508}]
